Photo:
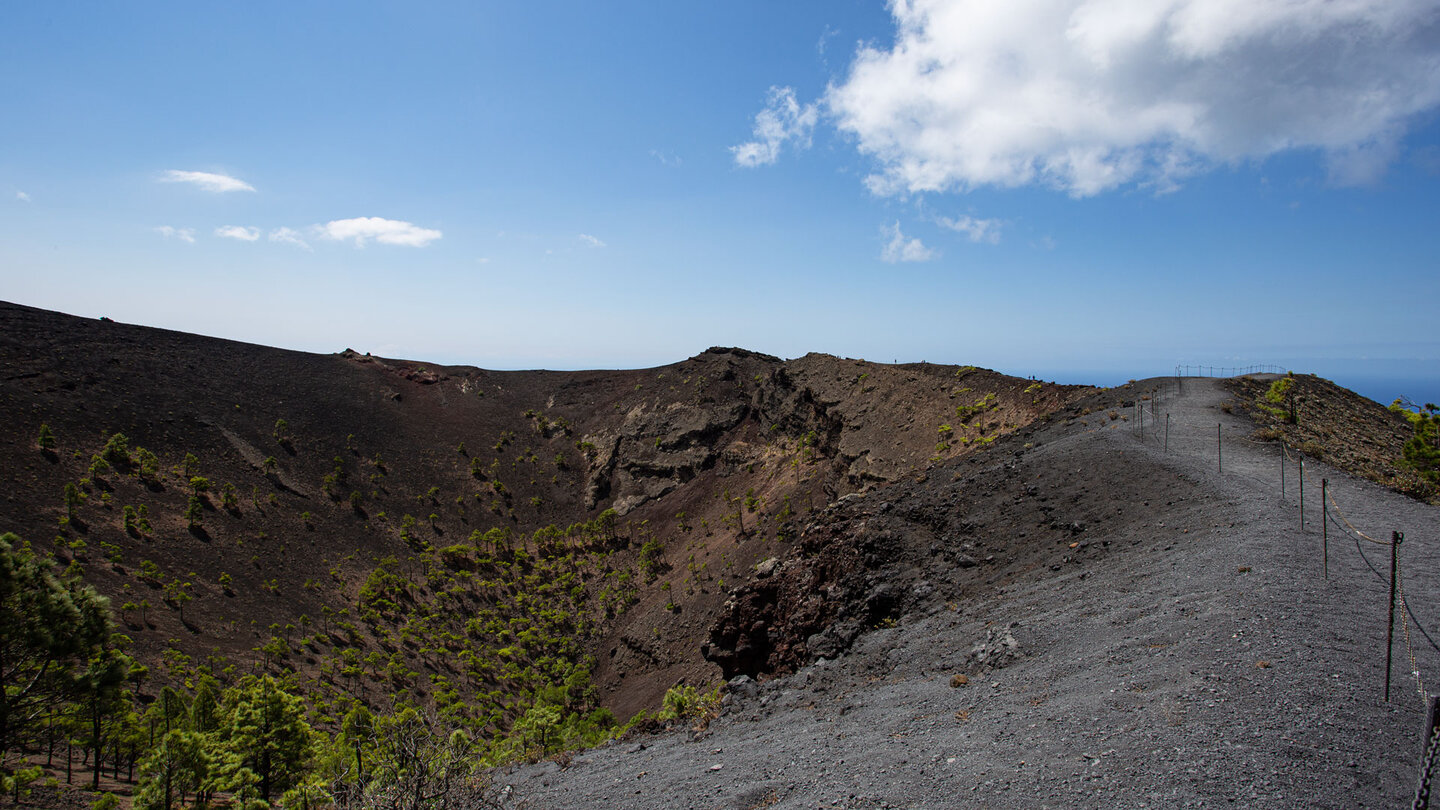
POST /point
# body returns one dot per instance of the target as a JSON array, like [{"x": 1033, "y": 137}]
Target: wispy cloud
[
  {"x": 217, "y": 183},
  {"x": 240, "y": 232},
  {"x": 186, "y": 235},
  {"x": 900, "y": 249},
  {"x": 666, "y": 158},
  {"x": 591, "y": 241},
  {"x": 385, "y": 231},
  {"x": 22, "y": 196},
  {"x": 979, "y": 230},
  {"x": 783, "y": 120},
  {"x": 1085, "y": 96},
  {"x": 826, "y": 34},
  {"x": 289, "y": 236}
]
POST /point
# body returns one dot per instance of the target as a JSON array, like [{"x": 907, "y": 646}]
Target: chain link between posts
[
  {"x": 1405, "y": 617},
  {"x": 1427, "y": 771}
]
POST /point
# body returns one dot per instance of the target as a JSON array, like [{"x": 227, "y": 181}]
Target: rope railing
[
  {"x": 1405, "y": 626},
  {"x": 1350, "y": 527},
  {"x": 1226, "y": 371}
]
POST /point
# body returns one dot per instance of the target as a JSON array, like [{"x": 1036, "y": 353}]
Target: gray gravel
[{"x": 1203, "y": 661}]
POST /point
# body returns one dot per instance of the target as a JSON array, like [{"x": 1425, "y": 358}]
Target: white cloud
[
  {"x": 783, "y": 119},
  {"x": 218, "y": 183},
  {"x": 591, "y": 241},
  {"x": 1089, "y": 95},
  {"x": 183, "y": 234},
  {"x": 240, "y": 232},
  {"x": 289, "y": 236},
  {"x": 22, "y": 196},
  {"x": 384, "y": 231},
  {"x": 900, "y": 249},
  {"x": 979, "y": 230}
]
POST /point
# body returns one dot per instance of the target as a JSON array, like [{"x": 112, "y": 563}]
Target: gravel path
[{"x": 1201, "y": 661}]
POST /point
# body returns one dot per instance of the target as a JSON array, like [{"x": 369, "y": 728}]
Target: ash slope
[{"x": 1186, "y": 652}]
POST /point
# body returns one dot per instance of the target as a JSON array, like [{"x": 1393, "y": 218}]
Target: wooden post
[
  {"x": 1395, "y": 539},
  {"x": 1324, "y": 526}
]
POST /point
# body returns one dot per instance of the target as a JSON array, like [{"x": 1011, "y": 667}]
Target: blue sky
[{"x": 1084, "y": 189}]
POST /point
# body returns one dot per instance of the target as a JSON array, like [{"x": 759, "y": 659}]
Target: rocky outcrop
[
  {"x": 842, "y": 580},
  {"x": 656, "y": 450}
]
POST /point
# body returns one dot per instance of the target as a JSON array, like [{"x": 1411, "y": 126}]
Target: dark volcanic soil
[
  {"x": 1138, "y": 629},
  {"x": 719, "y": 459}
]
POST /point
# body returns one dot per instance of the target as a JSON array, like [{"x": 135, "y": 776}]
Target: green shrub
[
  {"x": 117, "y": 452},
  {"x": 689, "y": 703}
]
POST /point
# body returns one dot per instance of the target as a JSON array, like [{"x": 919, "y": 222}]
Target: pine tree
[
  {"x": 49, "y": 628},
  {"x": 1422, "y": 450},
  {"x": 194, "y": 513},
  {"x": 267, "y": 733},
  {"x": 46, "y": 440},
  {"x": 100, "y": 686},
  {"x": 73, "y": 498}
]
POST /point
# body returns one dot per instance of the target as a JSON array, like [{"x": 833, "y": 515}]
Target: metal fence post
[
  {"x": 1302, "y": 492},
  {"x": 1325, "y": 526},
  {"x": 1219, "y": 451},
  {"x": 1395, "y": 539}
]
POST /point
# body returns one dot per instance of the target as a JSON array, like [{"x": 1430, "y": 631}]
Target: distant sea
[{"x": 1385, "y": 390}]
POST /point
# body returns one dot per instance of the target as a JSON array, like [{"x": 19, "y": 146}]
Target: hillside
[
  {"x": 466, "y": 536},
  {"x": 1335, "y": 425}
]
